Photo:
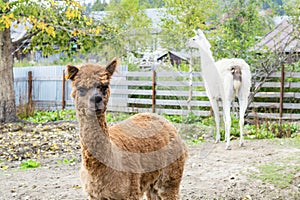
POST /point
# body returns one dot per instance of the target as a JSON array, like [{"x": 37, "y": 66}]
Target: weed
[
  {"x": 46, "y": 116},
  {"x": 66, "y": 161},
  {"x": 191, "y": 118},
  {"x": 29, "y": 164},
  {"x": 269, "y": 130}
]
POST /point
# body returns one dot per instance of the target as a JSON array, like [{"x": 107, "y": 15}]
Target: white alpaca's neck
[
  {"x": 210, "y": 73},
  {"x": 207, "y": 60}
]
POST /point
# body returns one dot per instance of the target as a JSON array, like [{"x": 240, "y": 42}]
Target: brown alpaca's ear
[
  {"x": 111, "y": 67},
  {"x": 71, "y": 72}
]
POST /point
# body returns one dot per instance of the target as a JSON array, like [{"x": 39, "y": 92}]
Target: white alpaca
[{"x": 225, "y": 79}]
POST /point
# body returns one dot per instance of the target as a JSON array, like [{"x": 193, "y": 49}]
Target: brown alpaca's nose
[{"x": 96, "y": 99}]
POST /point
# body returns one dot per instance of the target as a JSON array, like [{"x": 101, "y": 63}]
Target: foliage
[
  {"x": 151, "y": 3},
  {"x": 272, "y": 130},
  {"x": 29, "y": 164},
  {"x": 132, "y": 26},
  {"x": 238, "y": 29},
  {"x": 63, "y": 60},
  {"x": 188, "y": 119},
  {"x": 99, "y": 5},
  {"x": 52, "y": 26},
  {"x": 291, "y": 8},
  {"x": 266, "y": 130},
  {"x": 47, "y": 116},
  {"x": 42, "y": 116},
  {"x": 184, "y": 16}
]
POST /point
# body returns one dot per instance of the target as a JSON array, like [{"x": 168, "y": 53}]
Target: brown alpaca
[{"x": 142, "y": 154}]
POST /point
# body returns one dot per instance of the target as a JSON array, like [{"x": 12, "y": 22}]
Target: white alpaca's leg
[
  {"x": 243, "y": 105},
  {"x": 227, "y": 121},
  {"x": 215, "y": 107}
]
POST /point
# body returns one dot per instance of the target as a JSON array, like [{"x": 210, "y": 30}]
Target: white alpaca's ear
[
  {"x": 71, "y": 72},
  {"x": 199, "y": 32},
  {"x": 111, "y": 67},
  {"x": 196, "y": 33}
]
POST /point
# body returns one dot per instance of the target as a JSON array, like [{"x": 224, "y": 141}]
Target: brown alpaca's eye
[
  {"x": 104, "y": 89},
  {"x": 82, "y": 91}
]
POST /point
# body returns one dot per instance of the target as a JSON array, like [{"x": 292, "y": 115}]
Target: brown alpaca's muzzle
[{"x": 97, "y": 103}]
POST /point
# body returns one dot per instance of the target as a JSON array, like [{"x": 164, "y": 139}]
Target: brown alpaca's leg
[
  {"x": 171, "y": 193},
  {"x": 169, "y": 187},
  {"x": 152, "y": 194}
]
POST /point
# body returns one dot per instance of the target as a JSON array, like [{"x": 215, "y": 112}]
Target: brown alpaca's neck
[
  {"x": 103, "y": 123},
  {"x": 95, "y": 139},
  {"x": 93, "y": 125}
]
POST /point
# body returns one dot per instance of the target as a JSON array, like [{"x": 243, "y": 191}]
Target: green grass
[
  {"x": 30, "y": 164},
  {"x": 47, "y": 116},
  {"x": 265, "y": 130},
  {"x": 280, "y": 175},
  {"x": 282, "y": 172}
]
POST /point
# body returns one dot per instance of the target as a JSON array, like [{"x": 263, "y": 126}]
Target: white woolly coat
[{"x": 224, "y": 67}]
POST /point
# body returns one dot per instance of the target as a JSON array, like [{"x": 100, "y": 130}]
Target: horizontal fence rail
[{"x": 174, "y": 93}]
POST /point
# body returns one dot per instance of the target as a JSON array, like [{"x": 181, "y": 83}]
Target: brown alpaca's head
[{"x": 90, "y": 87}]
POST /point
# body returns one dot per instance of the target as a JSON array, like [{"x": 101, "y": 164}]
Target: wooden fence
[{"x": 179, "y": 93}]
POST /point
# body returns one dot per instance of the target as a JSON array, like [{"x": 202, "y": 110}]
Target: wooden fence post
[
  {"x": 281, "y": 94},
  {"x": 153, "y": 90},
  {"x": 30, "y": 89},
  {"x": 63, "y": 102}
]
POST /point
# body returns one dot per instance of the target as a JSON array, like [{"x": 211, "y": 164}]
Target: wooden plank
[
  {"x": 179, "y": 93},
  {"x": 277, "y": 85},
  {"x": 57, "y": 78},
  {"x": 160, "y": 74},
  {"x": 178, "y": 74},
  {"x": 164, "y": 102},
  {"x": 178, "y": 84},
  {"x": 275, "y": 116},
  {"x": 294, "y": 106},
  {"x": 131, "y": 83},
  {"x": 182, "y": 112},
  {"x": 137, "y": 74},
  {"x": 287, "y": 74},
  {"x": 277, "y": 95}
]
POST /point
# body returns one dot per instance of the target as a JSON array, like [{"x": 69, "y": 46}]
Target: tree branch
[{"x": 26, "y": 37}]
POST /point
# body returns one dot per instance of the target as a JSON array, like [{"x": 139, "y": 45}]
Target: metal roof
[{"x": 284, "y": 37}]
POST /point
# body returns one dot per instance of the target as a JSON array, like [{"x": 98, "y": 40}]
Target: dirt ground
[{"x": 210, "y": 173}]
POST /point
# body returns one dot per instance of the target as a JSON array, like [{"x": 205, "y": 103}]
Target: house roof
[
  {"x": 180, "y": 55},
  {"x": 284, "y": 37}
]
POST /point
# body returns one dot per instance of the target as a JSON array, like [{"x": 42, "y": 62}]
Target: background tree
[
  {"x": 99, "y": 5},
  {"x": 133, "y": 26},
  {"x": 151, "y": 3},
  {"x": 239, "y": 27},
  {"x": 50, "y": 27},
  {"x": 184, "y": 16}
]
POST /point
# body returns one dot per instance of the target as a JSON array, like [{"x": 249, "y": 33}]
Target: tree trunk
[{"x": 7, "y": 94}]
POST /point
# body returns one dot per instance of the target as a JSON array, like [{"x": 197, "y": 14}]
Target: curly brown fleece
[{"x": 142, "y": 154}]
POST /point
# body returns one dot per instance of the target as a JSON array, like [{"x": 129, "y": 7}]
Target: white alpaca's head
[{"x": 199, "y": 41}]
